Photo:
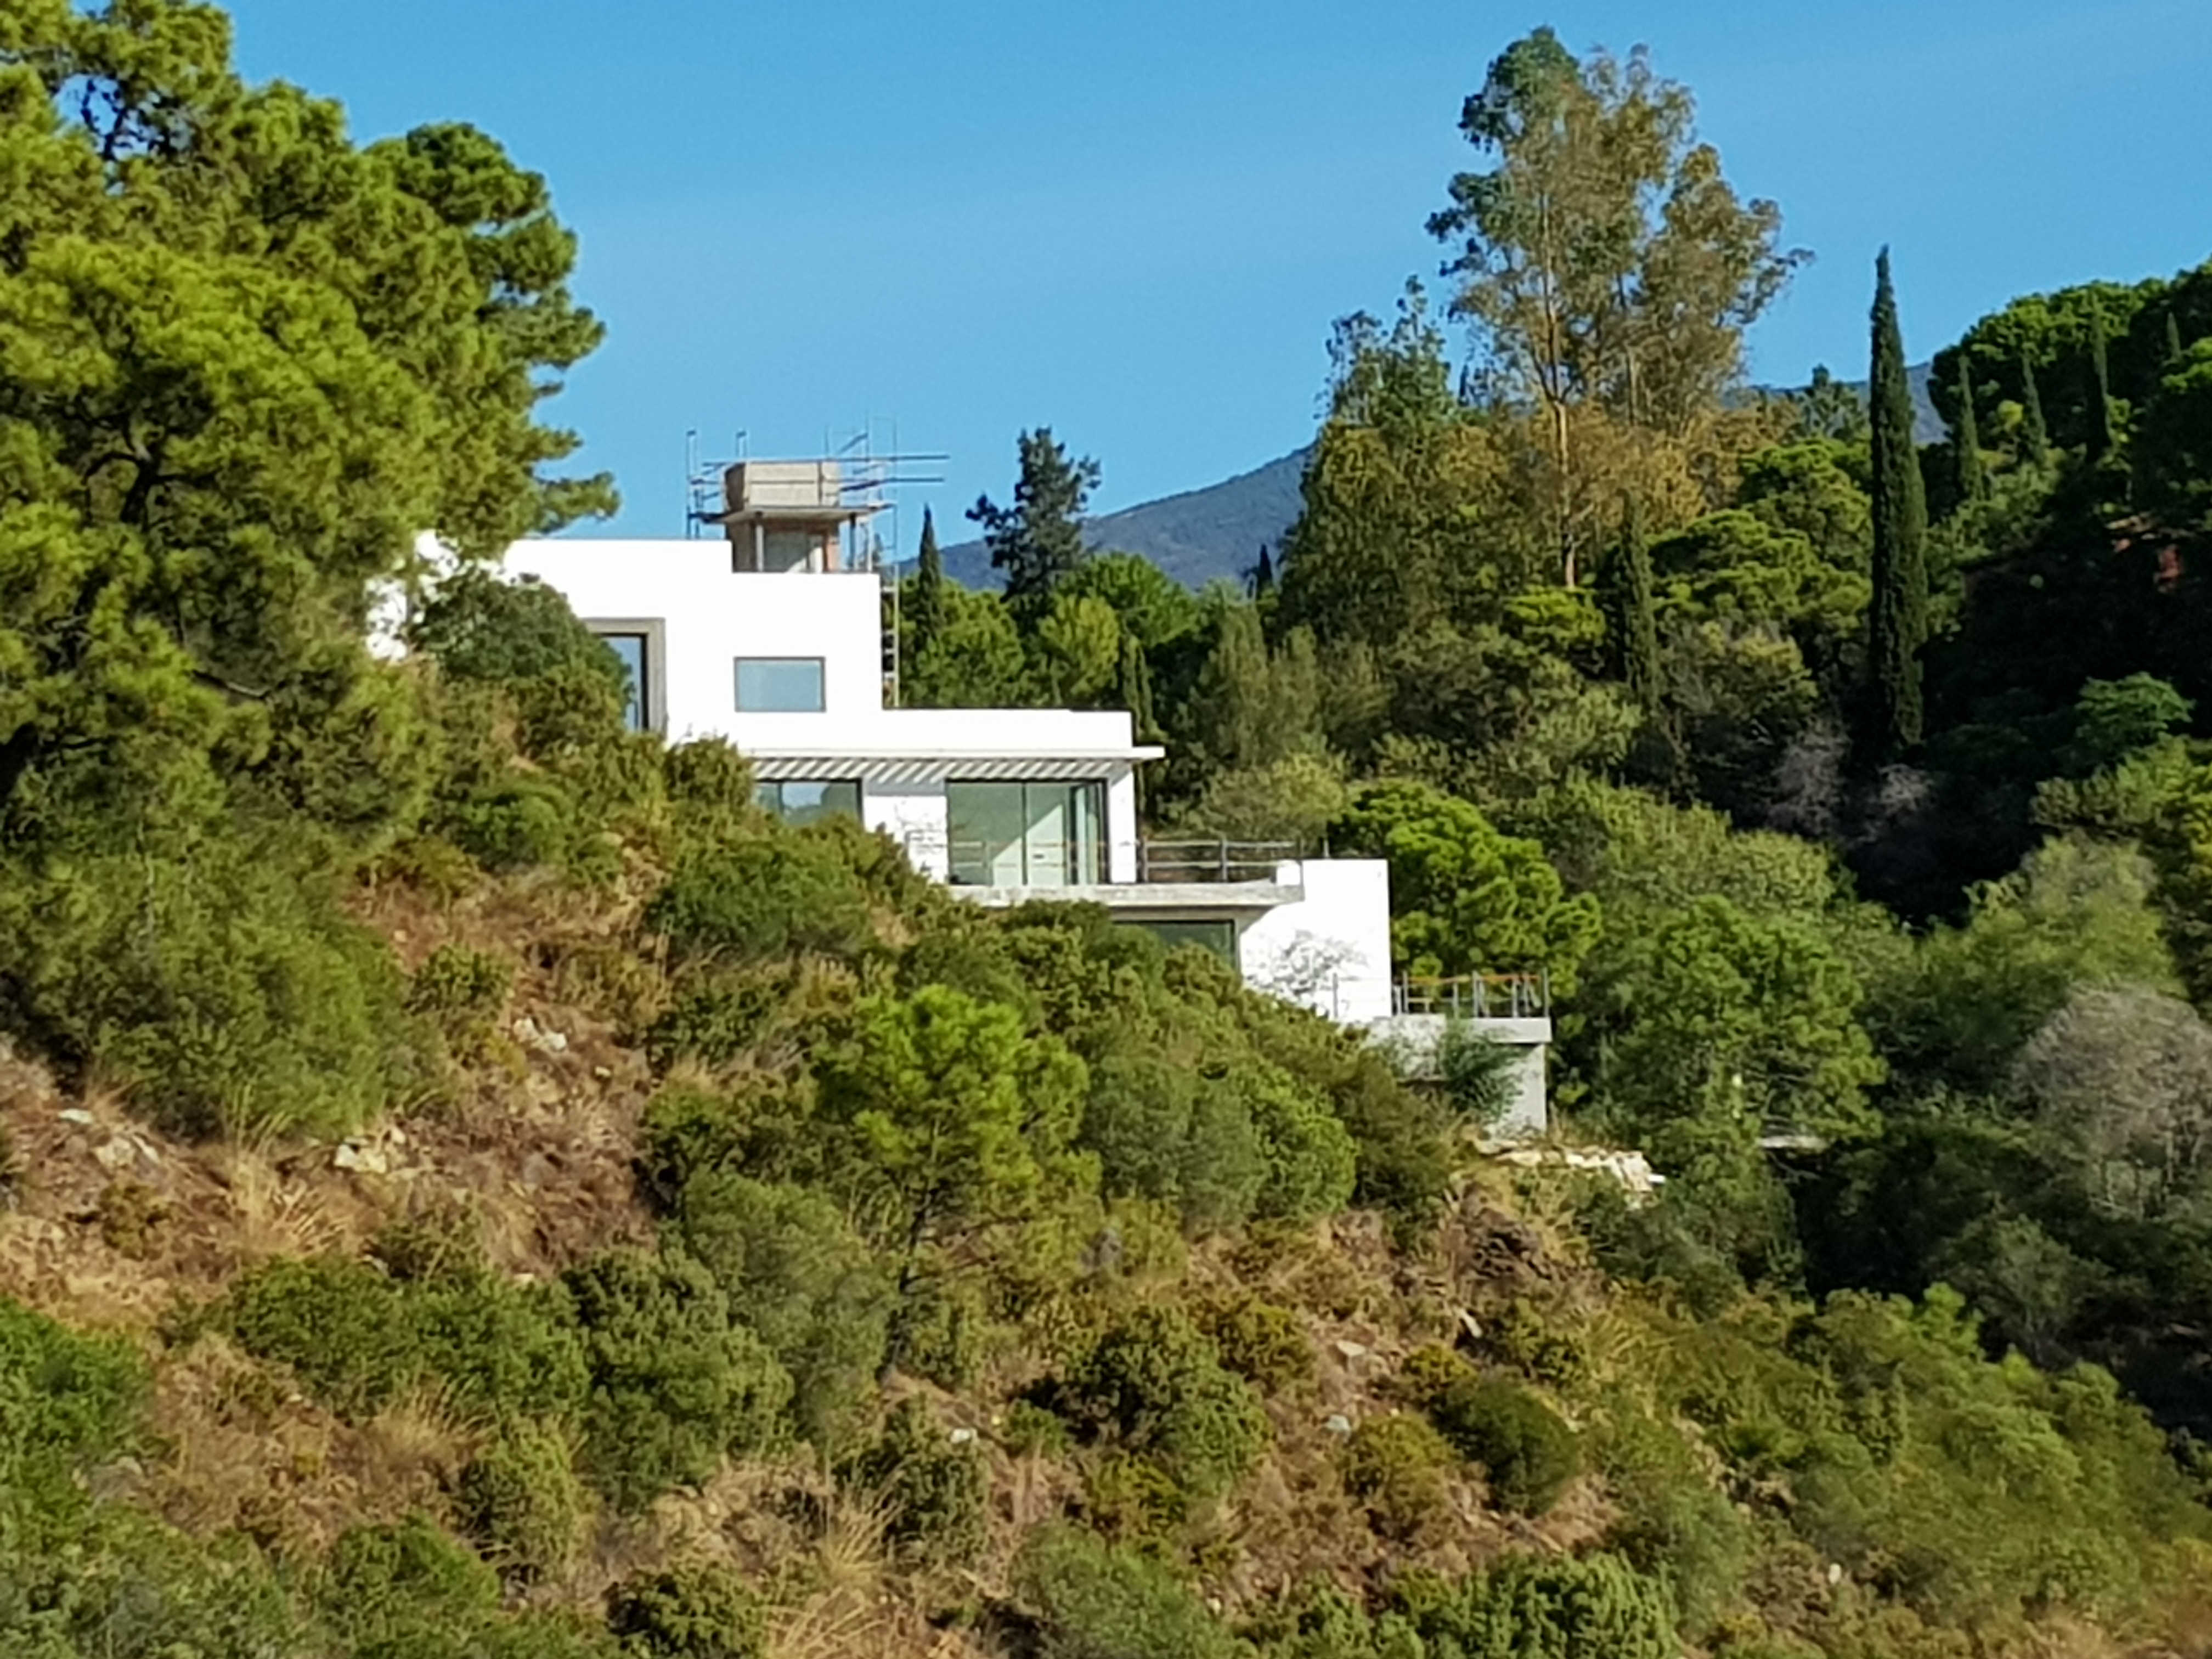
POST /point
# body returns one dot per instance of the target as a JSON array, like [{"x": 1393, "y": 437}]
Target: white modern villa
[{"x": 772, "y": 635}]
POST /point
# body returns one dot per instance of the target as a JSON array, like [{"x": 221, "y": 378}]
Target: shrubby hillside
[{"x": 476, "y": 1185}]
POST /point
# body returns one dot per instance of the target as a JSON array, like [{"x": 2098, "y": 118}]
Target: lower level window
[
  {"x": 809, "y": 803},
  {"x": 1217, "y": 938}
]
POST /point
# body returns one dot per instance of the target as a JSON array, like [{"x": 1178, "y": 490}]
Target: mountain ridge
[{"x": 1215, "y": 532}]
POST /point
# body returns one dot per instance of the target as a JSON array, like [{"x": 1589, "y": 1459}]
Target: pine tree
[
  {"x": 925, "y": 610},
  {"x": 1966, "y": 438},
  {"x": 2173, "y": 339},
  {"x": 1038, "y": 541},
  {"x": 2100, "y": 393},
  {"x": 1629, "y": 612},
  {"x": 1897, "y": 620},
  {"x": 2035, "y": 436}
]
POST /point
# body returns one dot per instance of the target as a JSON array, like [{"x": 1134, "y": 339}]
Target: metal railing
[
  {"x": 1033, "y": 861},
  {"x": 1475, "y": 996},
  {"x": 1219, "y": 859}
]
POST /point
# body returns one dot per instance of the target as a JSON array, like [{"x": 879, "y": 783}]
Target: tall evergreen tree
[
  {"x": 2173, "y": 339},
  {"x": 1038, "y": 541},
  {"x": 1630, "y": 614},
  {"x": 925, "y": 609},
  {"x": 1897, "y": 620},
  {"x": 1966, "y": 439},
  {"x": 2100, "y": 392},
  {"x": 1133, "y": 683},
  {"x": 2035, "y": 436},
  {"x": 1263, "y": 574}
]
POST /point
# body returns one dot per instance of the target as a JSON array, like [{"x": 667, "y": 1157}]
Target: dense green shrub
[
  {"x": 1162, "y": 1131},
  {"x": 341, "y": 1325},
  {"x": 686, "y": 1134},
  {"x": 675, "y": 1383},
  {"x": 697, "y": 1611},
  {"x": 770, "y": 895},
  {"x": 933, "y": 1492},
  {"x": 478, "y": 625},
  {"x": 1308, "y": 1159},
  {"x": 519, "y": 1503},
  {"x": 221, "y": 987},
  {"x": 356, "y": 1339},
  {"x": 454, "y": 979},
  {"x": 1093, "y": 1601},
  {"x": 1400, "y": 1465},
  {"x": 1527, "y": 1451},
  {"x": 1523, "y": 1336},
  {"x": 714, "y": 1017},
  {"x": 1550, "y": 1606},
  {"x": 66, "y": 1401},
  {"x": 1262, "y": 1343},
  {"x": 1153, "y": 1384},
  {"x": 795, "y": 1272},
  {"x": 1675, "y": 1524},
  {"x": 404, "y": 1589},
  {"x": 707, "y": 777},
  {"x": 524, "y": 821},
  {"x": 500, "y": 1349},
  {"x": 1320, "y": 1621}
]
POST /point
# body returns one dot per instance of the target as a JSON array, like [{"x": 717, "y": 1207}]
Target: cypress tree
[
  {"x": 2036, "y": 436},
  {"x": 925, "y": 612},
  {"x": 1966, "y": 438},
  {"x": 2100, "y": 392},
  {"x": 1135, "y": 683},
  {"x": 1632, "y": 613},
  {"x": 1897, "y": 620},
  {"x": 2173, "y": 339},
  {"x": 1263, "y": 574}
]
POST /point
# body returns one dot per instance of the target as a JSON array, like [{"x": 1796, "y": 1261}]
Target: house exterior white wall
[
  {"x": 711, "y": 615},
  {"x": 1329, "y": 950}
]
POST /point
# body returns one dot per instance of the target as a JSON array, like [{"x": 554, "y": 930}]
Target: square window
[
  {"x": 809, "y": 803},
  {"x": 779, "y": 685}
]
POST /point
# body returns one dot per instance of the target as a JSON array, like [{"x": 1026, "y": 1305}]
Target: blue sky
[{"x": 1133, "y": 221}]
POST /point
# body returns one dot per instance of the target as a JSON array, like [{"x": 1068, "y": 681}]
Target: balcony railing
[
  {"x": 1219, "y": 859},
  {"x": 1475, "y": 996},
  {"x": 1038, "y": 861}
]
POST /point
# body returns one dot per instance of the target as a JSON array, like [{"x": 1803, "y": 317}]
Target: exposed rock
[
  {"x": 77, "y": 1116},
  {"x": 366, "y": 1160},
  {"x": 1338, "y": 1423}
]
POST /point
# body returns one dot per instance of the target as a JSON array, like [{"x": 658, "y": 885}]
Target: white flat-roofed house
[{"x": 772, "y": 637}]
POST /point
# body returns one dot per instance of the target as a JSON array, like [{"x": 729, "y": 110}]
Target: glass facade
[
  {"x": 809, "y": 803},
  {"x": 779, "y": 685},
  {"x": 1026, "y": 835}
]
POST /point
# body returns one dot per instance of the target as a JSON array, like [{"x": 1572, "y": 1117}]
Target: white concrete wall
[
  {"x": 1122, "y": 825},
  {"x": 913, "y": 815},
  {"x": 1413, "y": 1042},
  {"x": 1331, "y": 950},
  {"x": 712, "y": 615}
]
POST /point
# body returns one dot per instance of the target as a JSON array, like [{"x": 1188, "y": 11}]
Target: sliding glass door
[{"x": 1026, "y": 835}]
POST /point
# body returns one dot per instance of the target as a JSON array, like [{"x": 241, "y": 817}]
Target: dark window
[
  {"x": 1218, "y": 937},
  {"x": 779, "y": 685},
  {"x": 809, "y": 803},
  {"x": 632, "y": 650}
]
